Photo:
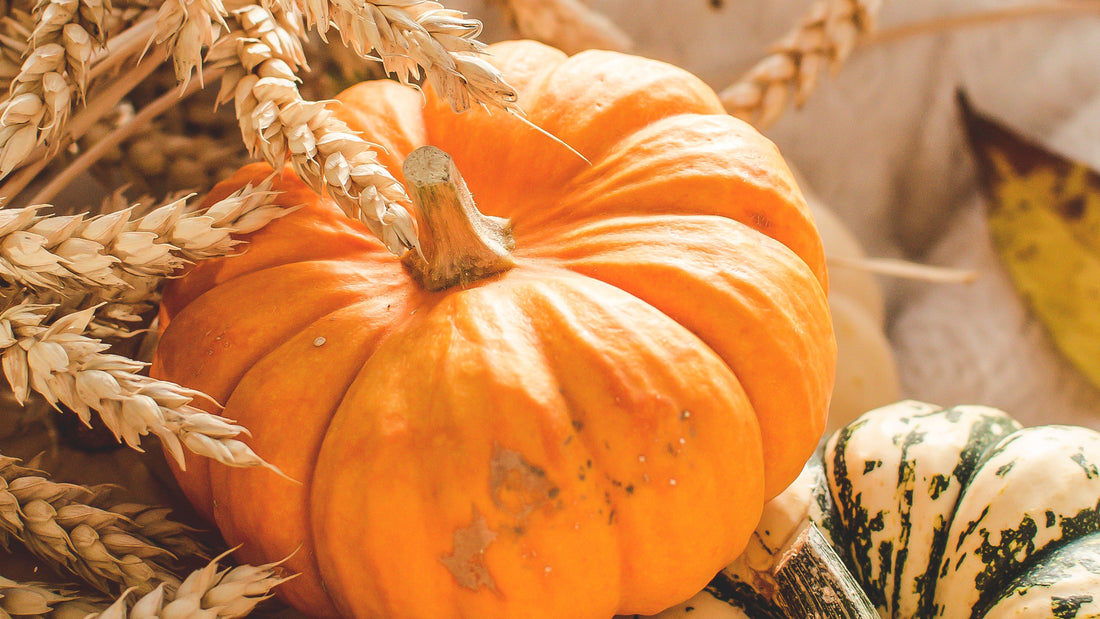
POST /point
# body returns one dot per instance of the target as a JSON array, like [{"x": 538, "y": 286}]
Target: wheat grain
[
  {"x": 57, "y": 361},
  {"x": 185, "y": 28},
  {"x": 821, "y": 41}
]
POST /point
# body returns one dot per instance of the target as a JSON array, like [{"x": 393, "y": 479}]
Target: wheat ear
[
  {"x": 52, "y": 78},
  {"x": 56, "y": 360},
  {"x": 105, "y": 253},
  {"x": 32, "y": 600},
  {"x": 278, "y": 124},
  {"x": 410, "y": 35},
  {"x": 821, "y": 41},
  {"x": 210, "y": 593},
  {"x": 61, "y": 524}
]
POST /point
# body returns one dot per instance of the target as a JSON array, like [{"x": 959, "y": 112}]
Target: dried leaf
[{"x": 1044, "y": 217}]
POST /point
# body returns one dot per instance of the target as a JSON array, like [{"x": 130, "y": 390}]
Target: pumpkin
[
  {"x": 957, "y": 512},
  {"x": 642, "y": 359}
]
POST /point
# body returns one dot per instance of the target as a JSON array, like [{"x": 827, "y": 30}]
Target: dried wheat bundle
[
  {"x": 81, "y": 262},
  {"x": 821, "y": 41},
  {"x": 74, "y": 73},
  {"x": 261, "y": 55},
  {"x": 76, "y": 529},
  {"x": 569, "y": 25}
]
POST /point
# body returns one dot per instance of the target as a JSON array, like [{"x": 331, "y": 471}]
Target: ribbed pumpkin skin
[
  {"x": 592, "y": 432},
  {"x": 961, "y": 513}
]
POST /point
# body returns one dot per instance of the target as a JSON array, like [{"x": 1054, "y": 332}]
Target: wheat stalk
[
  {"x": 210, "y": 593},
  {"x": 56, "y": 360},
  {"x": 822, "y": 40}
]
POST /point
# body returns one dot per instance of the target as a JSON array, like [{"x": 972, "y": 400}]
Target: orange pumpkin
[{"x": 591, "y": 430}]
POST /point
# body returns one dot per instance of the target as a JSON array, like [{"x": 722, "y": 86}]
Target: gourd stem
[
  {"x": 813, "y": 581},
  {"x": 458, "y": 244}
]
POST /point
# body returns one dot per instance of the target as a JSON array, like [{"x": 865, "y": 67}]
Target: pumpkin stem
[
  {"x": 458, "y": 244},
  {"x": 813, "y": 581}
]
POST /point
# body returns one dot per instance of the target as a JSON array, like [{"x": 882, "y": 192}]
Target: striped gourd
[{"x": 952, "y": 513}]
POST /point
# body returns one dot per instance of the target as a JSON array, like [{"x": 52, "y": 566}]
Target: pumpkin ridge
[
  {"x": 425, "y": 485},
  {"x": 257, "y": 379},
  {"x": 692, "y": 164},
  {"x": 1014, "y": 528},
  {"x": 657, "y": 259},
  {"x": 203, "y": 310},
  {"x": 620, "y": 494},
  {"x": 628, "y": 97}
]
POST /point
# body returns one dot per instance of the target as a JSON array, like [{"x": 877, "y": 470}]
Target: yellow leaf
[{"x": 1044, "y": 217}]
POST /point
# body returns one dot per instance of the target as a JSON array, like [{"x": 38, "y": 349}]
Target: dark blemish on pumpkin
[
  {"x": 578, "y": 425},
  {"x": 1027, "y": 252},
  {"x": 688, "y": 609},
  {"x": 716, "y": 4},
  {"x": 553, "y": 493},
  {"x": 1052, "y": 518},
  {"x": 568, "y": 439},
  {"x": 466, "y": 563},
  {"x": 1090, "y": 469},
  {"x": 606, "y": 445},
  {"x": 581, "y": 473},
  {"x": 516, "y": 485},
  {"x": 937, "y": 485},
  {"x": 1068, "y": 607},
  {"x": 760, "y": 221},
  {"x": 630, "y": 489},
  {"x": 1073, "y": 208},
  {"x": 1005, "y": 469},
  {"x": 685, "y": 415},
  {"x": 611, "y": 517},
  {"x": 870, "y": 465},
  {"x": 588, "y": 463}
]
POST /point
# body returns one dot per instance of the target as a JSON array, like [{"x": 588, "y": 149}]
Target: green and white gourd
[{"x": 952, "y": 513}]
